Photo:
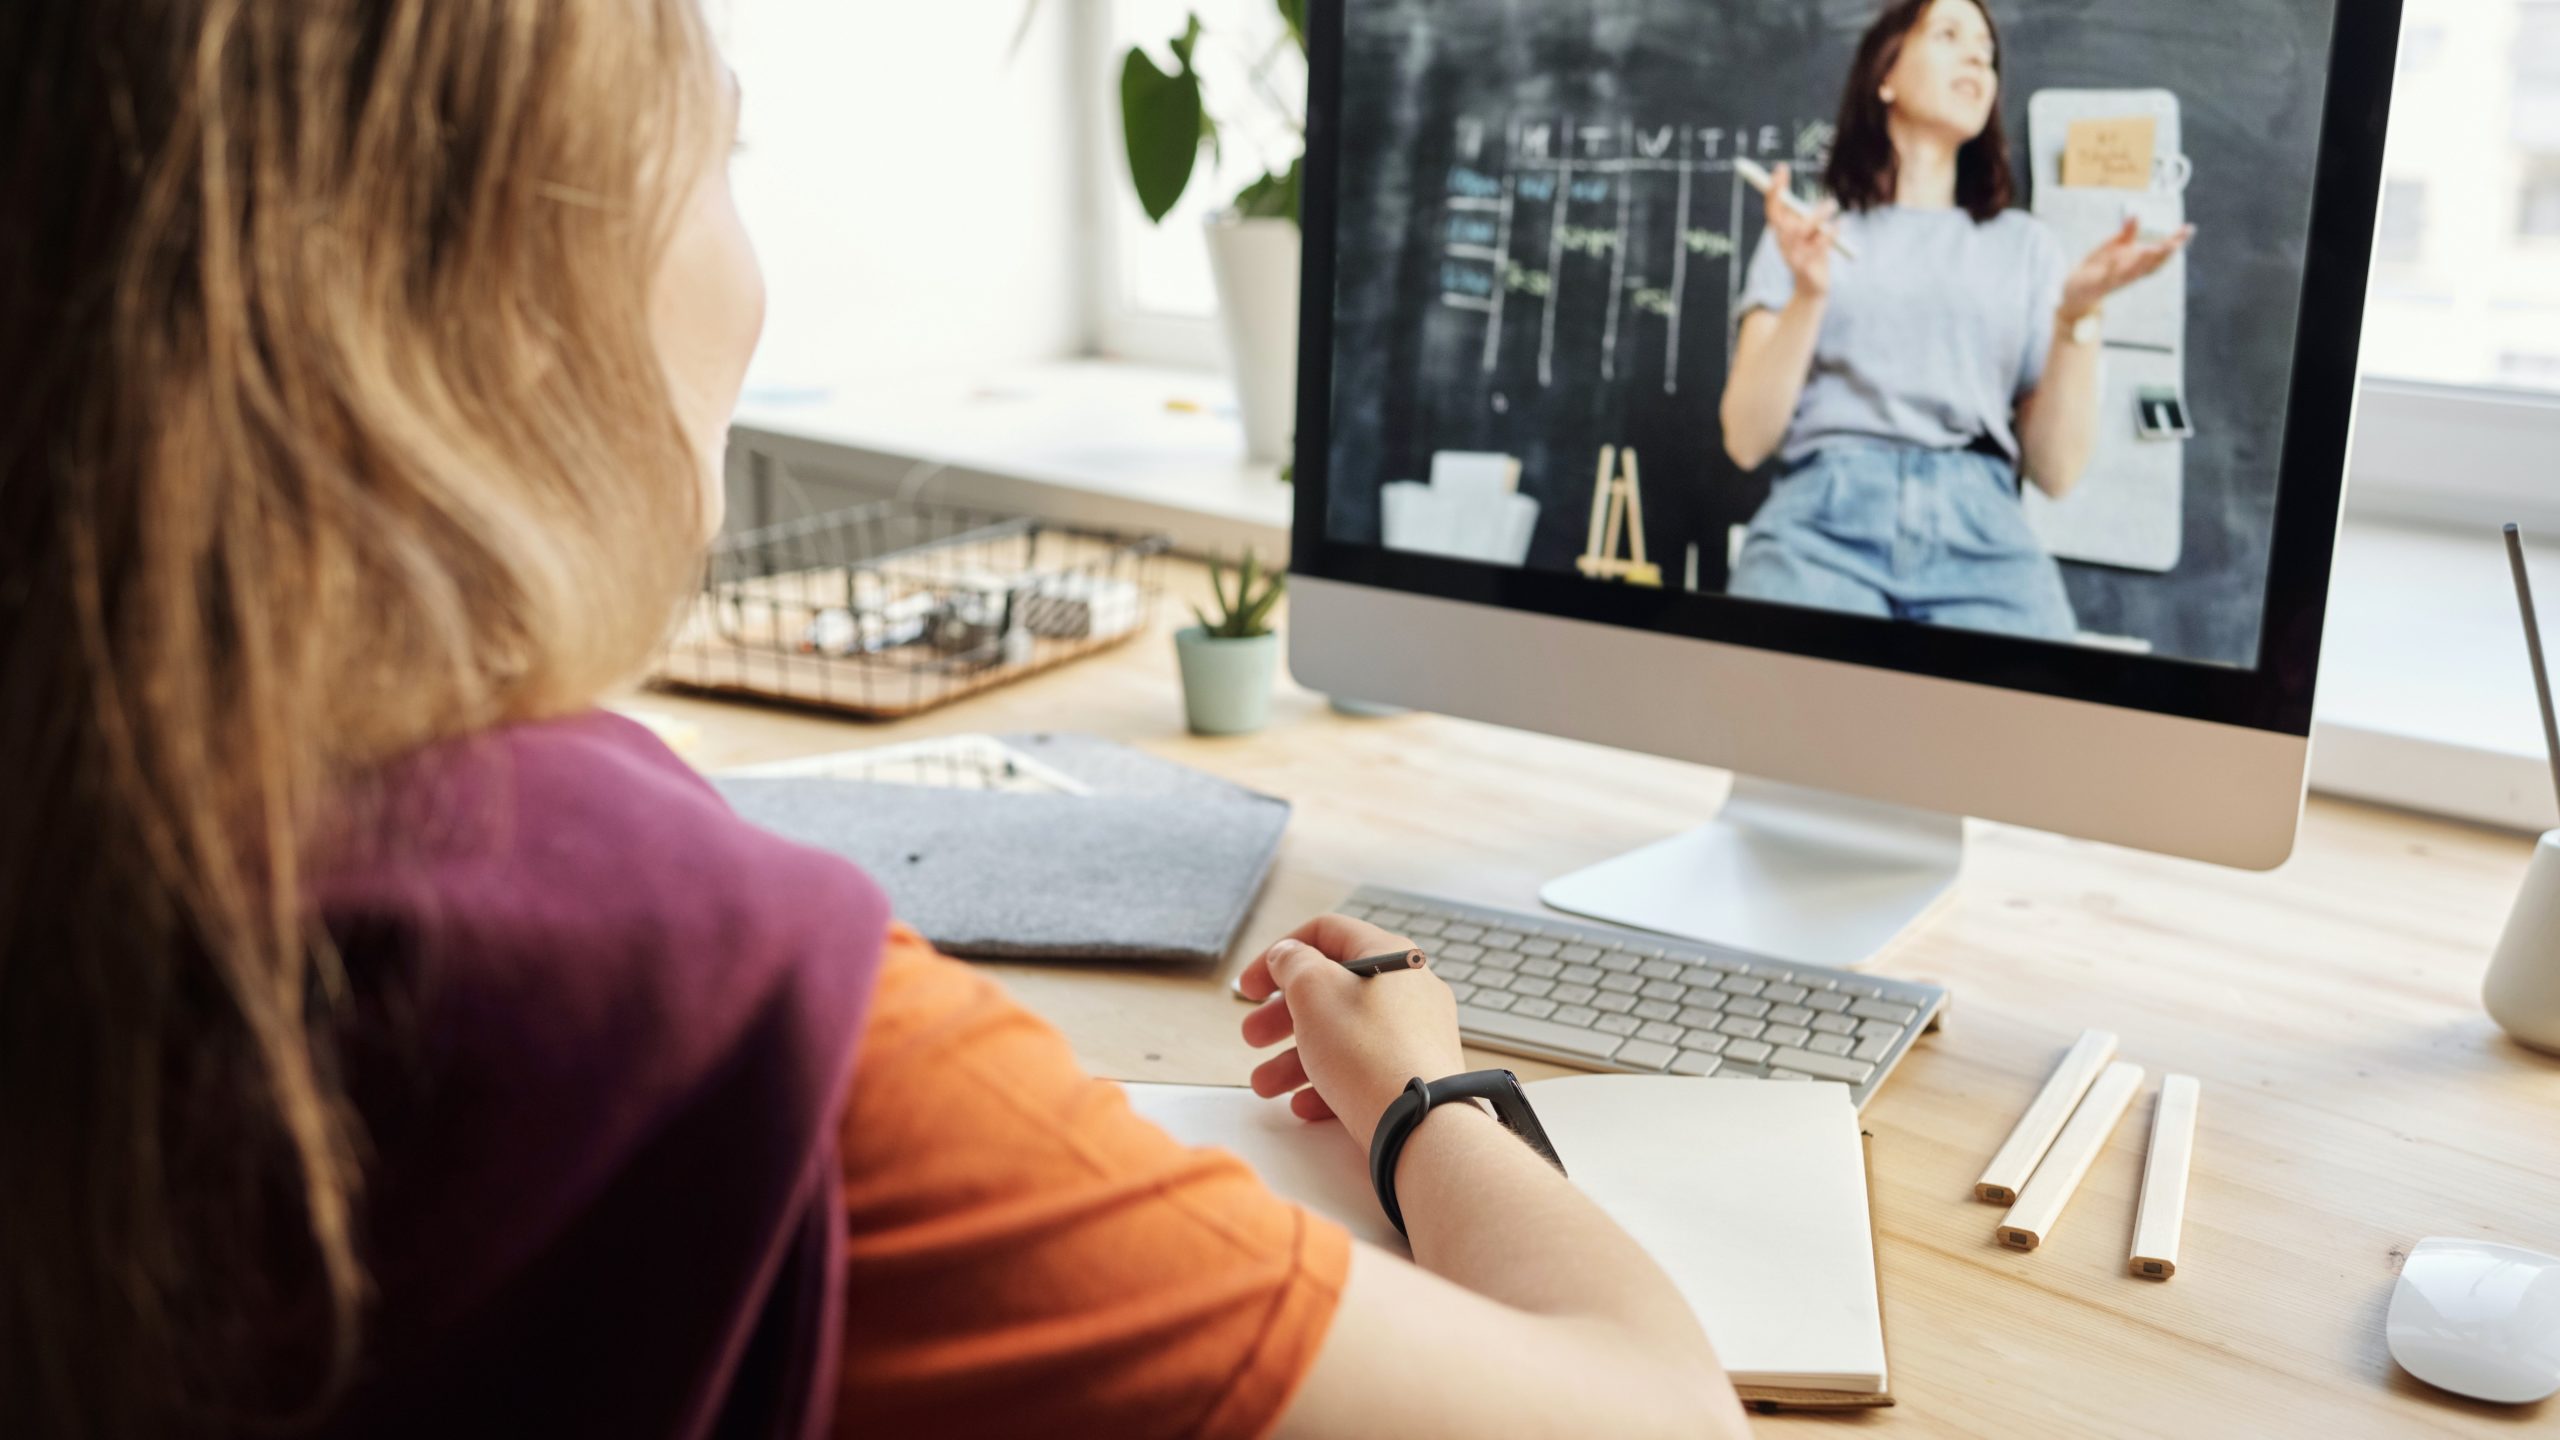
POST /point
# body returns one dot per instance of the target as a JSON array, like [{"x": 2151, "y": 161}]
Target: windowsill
[
  {"x": 1088, "y": 442},
  {"x": 2425, "y": 698}
]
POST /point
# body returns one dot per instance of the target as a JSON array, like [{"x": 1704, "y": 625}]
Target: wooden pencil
[
  {"x": 2007, "y": 1173},
  {"x": 2162, "y": 1211},
  {"x": 2030, "y": 1222}
]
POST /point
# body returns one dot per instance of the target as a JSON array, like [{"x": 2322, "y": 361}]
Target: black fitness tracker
[{"x": 1498, "y": 1088}]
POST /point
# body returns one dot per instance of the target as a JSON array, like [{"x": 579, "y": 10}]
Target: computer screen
[{"x": 2010, "y": 340}]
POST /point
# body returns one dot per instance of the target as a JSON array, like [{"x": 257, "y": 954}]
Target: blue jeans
[{"x": 1903, "y": 533}]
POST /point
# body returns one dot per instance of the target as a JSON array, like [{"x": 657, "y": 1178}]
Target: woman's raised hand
[
  {"x": 2123, "y": 259},
  {"x": 1805, "y": 236}
]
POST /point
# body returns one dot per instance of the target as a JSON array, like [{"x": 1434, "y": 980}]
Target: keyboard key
[
  {"x": 1784, "y": 1034},
  {"x": 1421, "y": 927},
  {"x": 1700, "y": 975},
  {"x": 1532, "y": 986},
  {"x": 1746, "y": 1052},
  {"x": 1830, "y": 1002},
  {"x": 1741, "y": 985},
  {"x": 1776, "y": 1074},
  {"x": 1494, "y": 1000},
  {"x": 1583, "y": 974},
  {"x": 1644, "y": 1055},
  {"x": 1691, "y": 1062},
  {"x": 1742, "y": 1028},
  {"x": 1503, "y": 939},
  {"x": 1642, "y": 951},
  {"x": 1613, "y": 1002},
  {"x": 1616, "y": 1024},
  {"x": 1659, "y": 1033},
  {"x": 1882, "y": 1010},
  {"x": 1787, "y": 993},
  {"x": 1578, "y": 954},
  {"x": 1573, "y": 994},
  {"x": 1660, "y": 969},
  {"x": 1459, "y": 952},
  {"x": 1452, "y": 971},
  {"x": 1656, "y": 1010},
  {"x": 1579, "y": 1015},
  {"x": 1790, "y": 1015},
  {"x": 1618, "y": 962},
  {"x": 1877, "y": 1030},
  {"x": 1463, "y": 932},
  {"x": 1623, "y": 984},
  {"x": 1706, "y": 1041},
  {"x": 1535, "y": 1007},
  {"x": 1828, "y": 1044},
  {"x": 1748, "y": 1007},
  {"x": 1500, "y": 959},
  {"x": 1542, "y": 947},
  {"x": 1835, "y": 1024},
  {"x": 1700, "y": 1015},
  {"x": 1823, "y": 1067},
  {"x": 1527, "y": 1030},
  {"x": 1875, "y": 1049},
  {"x": 1389, "y": 919},
  {"x": 1663, "y": 990},
  {"x": 1463, "y": 992},
  {"x": 1493, "y": 979}
]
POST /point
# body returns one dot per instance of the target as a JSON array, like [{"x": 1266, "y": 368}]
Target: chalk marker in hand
[{"x": 1761, "y": 180}]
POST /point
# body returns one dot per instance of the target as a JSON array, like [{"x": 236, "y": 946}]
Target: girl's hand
[
  {"x": 1804, "y": 236},
  {"x": 1359, "y": 1040},
  {"x": 2123, "y": 259}
]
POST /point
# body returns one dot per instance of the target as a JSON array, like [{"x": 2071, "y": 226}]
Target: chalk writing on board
[{"x": 1542, "y": 210}]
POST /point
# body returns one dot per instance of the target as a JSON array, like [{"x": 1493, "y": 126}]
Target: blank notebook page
[{"x": 1751, "y": 1194}]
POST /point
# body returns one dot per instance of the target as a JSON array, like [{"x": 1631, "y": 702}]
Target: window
[
  {"x": 1159, "y": 298},
  {"x": 2472, "y": 279},
  {"x": 2402, "y": 239}
]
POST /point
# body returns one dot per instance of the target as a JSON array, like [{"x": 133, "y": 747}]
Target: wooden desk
[{"x": 2356, "y": 1098}]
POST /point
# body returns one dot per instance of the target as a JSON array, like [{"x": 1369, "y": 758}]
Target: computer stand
[{"x": 1786, "y": 872}]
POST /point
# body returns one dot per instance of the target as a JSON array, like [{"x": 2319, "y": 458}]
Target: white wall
[{"x": 911, "y": 184}]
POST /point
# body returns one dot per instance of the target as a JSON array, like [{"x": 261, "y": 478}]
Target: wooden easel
[{"x": 1617, "y": 500}]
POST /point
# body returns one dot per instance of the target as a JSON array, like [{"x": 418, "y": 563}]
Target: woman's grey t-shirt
[{"x": 1932, "y": 334}]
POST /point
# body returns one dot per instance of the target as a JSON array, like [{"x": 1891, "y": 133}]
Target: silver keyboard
[{"x": 1601, "y": 998}]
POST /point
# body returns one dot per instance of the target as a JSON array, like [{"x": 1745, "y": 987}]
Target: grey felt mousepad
[{"x": 1160, "y": 862}]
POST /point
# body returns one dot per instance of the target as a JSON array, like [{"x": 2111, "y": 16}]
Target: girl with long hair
[{"x": 391, "y": 1042}]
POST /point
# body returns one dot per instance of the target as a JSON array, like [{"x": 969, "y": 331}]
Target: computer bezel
[{"x": 2274, "y": 695}]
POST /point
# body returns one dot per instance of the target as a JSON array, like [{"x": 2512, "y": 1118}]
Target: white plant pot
[{"x": 1256, "y": 265}]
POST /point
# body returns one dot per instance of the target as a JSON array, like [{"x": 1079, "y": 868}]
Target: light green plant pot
[{"x": 1226, "y": 684}]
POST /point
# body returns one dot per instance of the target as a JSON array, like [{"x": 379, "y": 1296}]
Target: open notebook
[{"x": 1751, "y": 1193}]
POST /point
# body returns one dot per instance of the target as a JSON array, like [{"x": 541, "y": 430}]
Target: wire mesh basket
[{"x": 894, "y": 608}]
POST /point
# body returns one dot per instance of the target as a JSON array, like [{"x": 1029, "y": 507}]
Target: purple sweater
[{"x": 607, "y": 1031}]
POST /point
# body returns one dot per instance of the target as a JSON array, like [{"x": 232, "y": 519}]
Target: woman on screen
[{"x": 1905, "y": 391}]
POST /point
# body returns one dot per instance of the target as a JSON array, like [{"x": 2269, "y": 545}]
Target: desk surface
[{"x": 2355, "y": 1096}]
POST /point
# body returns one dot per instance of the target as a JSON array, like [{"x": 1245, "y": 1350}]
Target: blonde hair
[{"x": 339, "y": 429}]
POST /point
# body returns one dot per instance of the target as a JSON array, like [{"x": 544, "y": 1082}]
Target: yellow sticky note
[{"x": 2110, "y": 154}]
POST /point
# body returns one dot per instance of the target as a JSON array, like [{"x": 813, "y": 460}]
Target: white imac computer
[{"x": 1922, "y": 408}]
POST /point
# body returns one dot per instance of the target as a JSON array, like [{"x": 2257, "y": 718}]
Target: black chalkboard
[{"x": 1499, "y": 287}]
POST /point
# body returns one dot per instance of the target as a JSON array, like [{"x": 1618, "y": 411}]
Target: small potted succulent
[{"x": 1230, "y": 657}]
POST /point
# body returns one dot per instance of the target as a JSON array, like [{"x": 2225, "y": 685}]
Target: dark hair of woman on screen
[{"x": 1904, "y": 392}]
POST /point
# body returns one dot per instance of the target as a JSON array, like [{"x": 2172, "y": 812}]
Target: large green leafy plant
[{"x": 1166, "y": 118}]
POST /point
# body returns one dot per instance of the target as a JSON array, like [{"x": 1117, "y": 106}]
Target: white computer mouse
[{"x": 2479, "y": 1319}]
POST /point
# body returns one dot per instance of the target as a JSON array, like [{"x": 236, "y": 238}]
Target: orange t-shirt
[{"x": 1025, "y": 1255}]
